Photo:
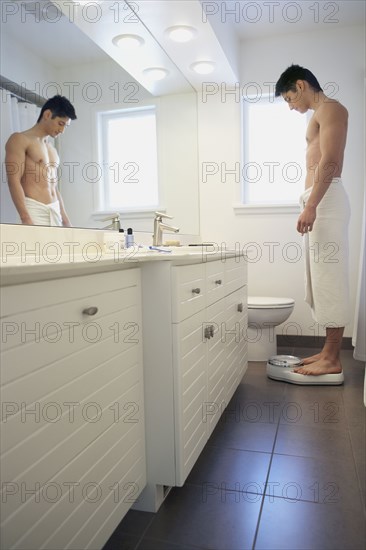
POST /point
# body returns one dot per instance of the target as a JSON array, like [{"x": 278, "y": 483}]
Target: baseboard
[{"x": 296, "y": 341}]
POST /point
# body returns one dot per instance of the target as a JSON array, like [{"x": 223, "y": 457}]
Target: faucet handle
[
  {"x": 115, "y": 222},
  {"x": 161, "y": 216},
  {"x": 111, "y": 217}
]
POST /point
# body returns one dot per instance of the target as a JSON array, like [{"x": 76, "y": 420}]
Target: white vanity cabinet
[
  {"x": 72, "y": 425},
  {"x": 195, "y": 355}
]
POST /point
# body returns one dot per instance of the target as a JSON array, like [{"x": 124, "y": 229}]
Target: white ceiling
[
  {"x": 262, "y": 18},
  {"x": 59, "y": 43},
  {"x": 40, "y": 26}
]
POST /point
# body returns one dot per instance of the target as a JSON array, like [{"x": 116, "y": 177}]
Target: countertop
[{"x": 31, "y": 266}]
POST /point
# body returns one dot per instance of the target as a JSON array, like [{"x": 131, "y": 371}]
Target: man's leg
[{"x": 328, "y": 360}]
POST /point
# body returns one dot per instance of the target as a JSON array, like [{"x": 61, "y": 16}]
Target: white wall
[
  {"x": 22, "y": 66},
  {"x": 334, "y": 56}
]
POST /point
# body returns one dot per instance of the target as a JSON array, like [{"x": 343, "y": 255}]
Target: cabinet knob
[
  {"x": 90, "y": 310},
  {"x": 196, "y": 290},
  {"x": 207, "y": 333},
  {"x": 240, "y": 307},
  {"x": 218, "y": 282}
]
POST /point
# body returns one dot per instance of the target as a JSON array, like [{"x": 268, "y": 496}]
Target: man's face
[
  {"x": 296, "y": 99},
  {"x": 56, "y": 125},
  {"x": 59, "y": 125}
]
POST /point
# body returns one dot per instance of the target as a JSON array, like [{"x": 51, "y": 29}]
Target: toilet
[{"x": 264, "y": 314}]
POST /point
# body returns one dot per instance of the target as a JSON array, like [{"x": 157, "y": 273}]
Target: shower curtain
[
  {"x": 359, "y": 331},
  {"x": 15, "y": 116}
]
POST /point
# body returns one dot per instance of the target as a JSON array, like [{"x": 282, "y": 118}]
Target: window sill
[{"x": 245, "y": 209}]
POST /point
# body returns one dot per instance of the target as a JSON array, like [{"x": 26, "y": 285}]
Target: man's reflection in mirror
[{"x": 32, "y": 164}]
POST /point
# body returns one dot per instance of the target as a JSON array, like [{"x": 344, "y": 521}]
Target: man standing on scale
[{"x": 325, "y": 214}]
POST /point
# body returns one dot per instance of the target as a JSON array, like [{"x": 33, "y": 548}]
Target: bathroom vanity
[
  {"x": 195, "y": 355},
  {"x": 113, "y": 376}
]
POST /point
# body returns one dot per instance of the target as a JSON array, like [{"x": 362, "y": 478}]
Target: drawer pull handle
[
  {"x": 240, "y": 307},
  {"x": 218, "y": 282},
  {"x": 207, "y": 333},
  {"x": 90, "y": 310},
  {"x": 196, "y": 290}
]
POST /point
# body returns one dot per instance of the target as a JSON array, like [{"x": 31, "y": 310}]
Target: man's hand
[{"x": 306, "y": 220}]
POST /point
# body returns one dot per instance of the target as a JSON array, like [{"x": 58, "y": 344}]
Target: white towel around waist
[
  {"x": 44, "y": 214},
  {"x": 326, "y": 258}
]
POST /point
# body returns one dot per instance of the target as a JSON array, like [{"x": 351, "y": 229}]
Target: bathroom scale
[{"x": 281, "y": 367}]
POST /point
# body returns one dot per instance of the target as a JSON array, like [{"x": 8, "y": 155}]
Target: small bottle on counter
[
  {"x": 130, "y": 241},
  {"x": 121, "y": 237}
]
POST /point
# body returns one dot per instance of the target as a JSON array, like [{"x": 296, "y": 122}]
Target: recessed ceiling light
[
  {"x": 155, "y": 73},
  {"x": 203, "y": 67},
  {"x": 128, "y": 41},
  {"x": 181, "y": 33}
]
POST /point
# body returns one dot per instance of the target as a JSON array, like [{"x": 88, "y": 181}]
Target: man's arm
[
  {"x": 332, "y": 140},
  {"x": 65, "y": 219},
  {"x": 15, "y": 152}
]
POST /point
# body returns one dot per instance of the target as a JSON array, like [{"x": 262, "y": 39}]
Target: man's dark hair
[
  {"x": 290, "y": 76},
  {"x": 59, "y": 106}
]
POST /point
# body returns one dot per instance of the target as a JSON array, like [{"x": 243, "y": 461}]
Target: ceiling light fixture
[
  {"x": 203, "y": 67},
  {"x": 130, "y": 41},
  {"x": 181, "y": 33},
  {"x": 155, "y": 73}
]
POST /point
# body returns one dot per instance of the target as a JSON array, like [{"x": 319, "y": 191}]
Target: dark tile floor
[{"x": 284, "y": 469}]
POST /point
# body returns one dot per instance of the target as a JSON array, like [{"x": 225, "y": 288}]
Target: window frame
[{"x": 128, "y": 213}]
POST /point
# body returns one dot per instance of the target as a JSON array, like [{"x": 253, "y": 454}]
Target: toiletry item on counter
[
  {"x": 172, "y": 243},
  {"x": 130, "y": 241},
  {"x": 203, "y": 244},
  {"x": 121, "y": 237},
  {"x": 157, "y": 249}
]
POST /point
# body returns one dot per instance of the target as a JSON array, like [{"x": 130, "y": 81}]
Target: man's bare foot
[
  {"x": 322, "y": 366},
  {"x": 311, "y": 359}
]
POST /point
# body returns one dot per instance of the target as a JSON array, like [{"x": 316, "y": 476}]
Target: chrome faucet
[
  {"x": 115, "y": 224},
  {"x": 160, "y": 226}
]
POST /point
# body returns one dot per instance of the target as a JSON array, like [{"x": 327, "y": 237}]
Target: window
[
  {"x": 274, "y": 152},
  {"x": 129, "y": 159}
]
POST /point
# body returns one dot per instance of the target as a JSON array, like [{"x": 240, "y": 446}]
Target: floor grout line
[{"x": 265, "y": 486}]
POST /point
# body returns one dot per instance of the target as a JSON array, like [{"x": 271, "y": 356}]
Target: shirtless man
[
  {"x": 325, "y": 211},
  {"x": 31, "y": 165}
]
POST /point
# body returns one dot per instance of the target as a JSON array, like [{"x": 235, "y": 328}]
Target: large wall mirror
[{"x": 46, "y": 53}]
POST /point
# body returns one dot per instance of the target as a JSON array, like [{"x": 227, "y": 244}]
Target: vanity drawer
[
  {"x": 235, "y": 274},
  {"x": 215, "y": 286},
  {"x": 41, "y": 335},
  {"x": 188, "y": 291},
  {"x": 31, "y": 296}
]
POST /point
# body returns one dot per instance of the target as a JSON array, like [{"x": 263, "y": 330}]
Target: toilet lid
[{"x": 268, "y": 302}]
